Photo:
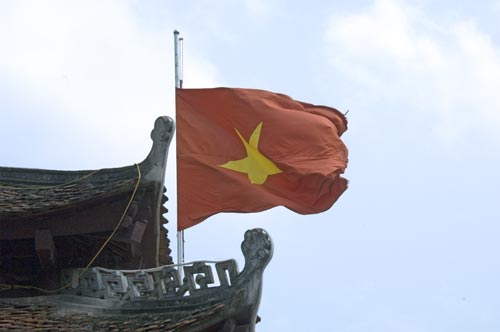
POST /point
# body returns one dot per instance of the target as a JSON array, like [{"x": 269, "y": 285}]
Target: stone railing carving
[
  {"x": 156, "y": 283},
  {"x": 202, "y": 280}
]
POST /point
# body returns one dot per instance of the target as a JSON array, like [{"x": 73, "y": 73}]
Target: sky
[{"x": 411, "y": 246}]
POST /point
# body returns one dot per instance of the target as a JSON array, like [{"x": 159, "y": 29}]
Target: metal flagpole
[{"x": 178, "y": 85}]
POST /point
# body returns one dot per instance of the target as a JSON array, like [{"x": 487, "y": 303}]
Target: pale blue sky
[{"x": 411, "y": 246}]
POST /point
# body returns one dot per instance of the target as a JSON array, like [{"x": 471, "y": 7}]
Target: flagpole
[{"x": 178, "y": 85}]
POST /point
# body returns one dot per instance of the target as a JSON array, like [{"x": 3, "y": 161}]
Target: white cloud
[
  {"x": 265, "y": 9},
  {"x": 400, "y": 53},
  {"x": 96, "y": 68}
]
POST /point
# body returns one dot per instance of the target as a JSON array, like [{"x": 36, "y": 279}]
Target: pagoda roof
[
  {"x": 49, "y": 317},
  {"x": 87, "y": 250},
  {"x": 20, "y": 200},
  {"x": 57, "y": 218},
  {"x": 202, "y": 296}
]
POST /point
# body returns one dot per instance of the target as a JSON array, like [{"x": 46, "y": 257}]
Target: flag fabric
[{"x": 246, "y": 150}]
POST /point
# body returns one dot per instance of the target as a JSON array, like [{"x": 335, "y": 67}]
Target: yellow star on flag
[{"x": 255, "y": 164}]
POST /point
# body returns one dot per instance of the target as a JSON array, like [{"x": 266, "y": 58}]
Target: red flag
[{"x": 245, "y": 150}]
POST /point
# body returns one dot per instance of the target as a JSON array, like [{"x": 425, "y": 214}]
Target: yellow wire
[
  {"x": 50, "y": 187},
  {"x": 4, "y": 287}
]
